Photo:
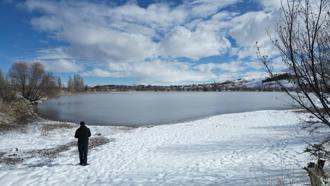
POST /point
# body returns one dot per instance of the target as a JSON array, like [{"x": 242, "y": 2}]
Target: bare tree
[
  {"x": 49, "y": 85},
  {"x": 303, "y": 40},
  {"x": 70, "y": 84},
  {"x": 19, "y": 76},
  {"x": 36, "y": 80},
  {"x": 6, "y": 91},
  {"x": 2, "y": 84},
  {"x": 76, "y": 83},
  {"x": 59, "y": 82},
  {"x": 32, "y": 81}
]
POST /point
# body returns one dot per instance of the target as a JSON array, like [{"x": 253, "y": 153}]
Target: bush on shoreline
[{"x": 15, "y": 114}]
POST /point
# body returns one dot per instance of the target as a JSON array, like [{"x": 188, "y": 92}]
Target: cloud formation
[{"x": 147, "y": 43}]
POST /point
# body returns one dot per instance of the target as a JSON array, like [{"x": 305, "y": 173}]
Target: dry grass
[
  {"x": 46, "y": 128},
  {"x": 4, "y": 128},
  {"x": 50, "y": 153},
  {"x": 3, "y": 107},
  {"x": 53, "y": 152}
]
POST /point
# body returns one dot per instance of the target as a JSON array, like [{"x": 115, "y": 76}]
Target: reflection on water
[{"x": 151, "y": 108}]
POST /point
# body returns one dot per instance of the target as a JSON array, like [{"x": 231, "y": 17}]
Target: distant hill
[{"x": 267, "y": 84}]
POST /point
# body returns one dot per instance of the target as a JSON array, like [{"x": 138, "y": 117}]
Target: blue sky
[{"x": 140, "y": 41}]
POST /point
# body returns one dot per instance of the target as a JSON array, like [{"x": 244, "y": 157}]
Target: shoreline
[
  {"x": 161, "y": 124},
  {"x": 67, "y": 93},
  {"x": 216, "y": 150},
  {"x": 149, "y": 91}
]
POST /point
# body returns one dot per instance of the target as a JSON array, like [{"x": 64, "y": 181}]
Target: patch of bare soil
[
  {"x": 5, "y": 127},
  {"x": 51, "y": 153}
]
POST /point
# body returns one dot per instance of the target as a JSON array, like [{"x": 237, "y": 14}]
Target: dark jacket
[{"x": 82, "y": 133}]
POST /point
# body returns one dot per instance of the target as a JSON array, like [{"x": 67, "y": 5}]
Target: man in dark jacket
[{"x": 83, "y": 133}]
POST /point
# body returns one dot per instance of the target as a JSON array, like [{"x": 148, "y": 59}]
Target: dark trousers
[{"x": 83, "y": 150}]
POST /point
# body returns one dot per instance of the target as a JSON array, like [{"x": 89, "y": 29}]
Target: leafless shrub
[
  {"x": 32, "y": 81},
  {"x": 46, "y": 128},
  {"x": 6, "y": 94},
  {"x": 303, "y": 40},
  {"x": 21, "y": 110},
  {"x": 76, "y": 83},
  {"x": 5, "y": 127}
]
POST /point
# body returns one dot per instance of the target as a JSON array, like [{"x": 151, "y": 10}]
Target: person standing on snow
[{"x": 83, "y": 133}]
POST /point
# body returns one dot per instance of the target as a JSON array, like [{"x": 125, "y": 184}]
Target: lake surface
[{"x": 152, "y": 108}]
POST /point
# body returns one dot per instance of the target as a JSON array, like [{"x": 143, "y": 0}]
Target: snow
[{"x": 253, "y": 148}]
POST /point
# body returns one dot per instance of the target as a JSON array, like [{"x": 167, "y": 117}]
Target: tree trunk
[{"x": 316, "y": 173}]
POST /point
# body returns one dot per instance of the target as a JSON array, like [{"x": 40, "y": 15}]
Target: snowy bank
[{"x": 254, "y": 148}]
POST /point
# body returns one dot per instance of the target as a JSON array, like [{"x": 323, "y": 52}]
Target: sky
[{"x": 141, "y": 41}]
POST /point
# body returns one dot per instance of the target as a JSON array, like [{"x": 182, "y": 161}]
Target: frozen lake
[{"x": 152, "y": 108}]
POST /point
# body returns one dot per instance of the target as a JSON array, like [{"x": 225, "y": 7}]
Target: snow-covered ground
[{"x": 254, "y": 148}]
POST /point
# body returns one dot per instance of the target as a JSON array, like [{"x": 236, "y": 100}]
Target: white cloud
[
  {"x": 57, "y": 60},
  {"x": 194, "y": 44},
  {"x": 255, "y": 75},
  {"x": 129, "y": 32},
  {"x": 62, "y": 65},
  {"x": 228, "y": 76},
  {"x": 97, "y": 73},
  {"x": 132, "y": 41},
  {"x": 235, "y": 66},
  {"x": 48, "y": 7},
  {"x": 271, "y": 4},
  {"x": 246, "y": 52},
  {"x": 209, "y": 7},
  {"x": 160, "y": 72},
  {"x": 53, "y": 53},
  {"x": 258, "y": 65},
  {"x": 229, "y": 67},
  {"x": 156, "y": 16},
  {"x": 154, "y": 72},
  {"x": 278, "y": 65},
  {"x": 251, "y": 27}
]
